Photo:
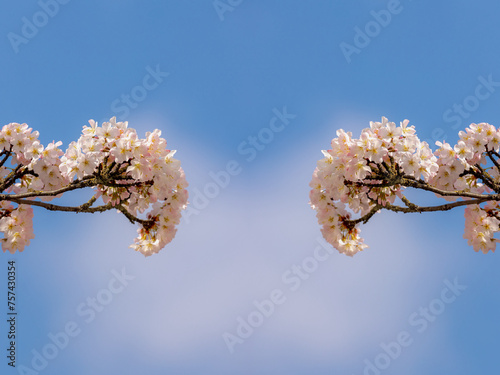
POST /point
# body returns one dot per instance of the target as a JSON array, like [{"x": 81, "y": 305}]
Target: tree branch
[
  {"x": 77, "y": 184},
  {"x": 7, "y": 153},
  {"x": 443, "y": 207},
  {"x": 483, "y": 175},
  {"x": 54, "y": 207},
  {"x": 363, "y": 219},
  {"x": 133, "y": 219},
  {"x": 409, "y": 181},
  {"x": 392, "y": 177}
]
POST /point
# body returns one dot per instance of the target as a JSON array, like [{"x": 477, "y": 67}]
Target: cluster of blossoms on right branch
[{"x": 363, "y": 176}]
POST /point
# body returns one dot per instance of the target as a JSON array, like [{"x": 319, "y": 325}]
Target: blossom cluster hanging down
[
  {"x": 133, "y": 175},
  {"x": 363, "y": 176}
]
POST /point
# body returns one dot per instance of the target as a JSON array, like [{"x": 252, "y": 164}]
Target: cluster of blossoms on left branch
[{"x": 137, "y": 177}]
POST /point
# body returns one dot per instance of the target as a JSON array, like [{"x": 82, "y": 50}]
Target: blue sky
[{"x": 217, "y": 78}]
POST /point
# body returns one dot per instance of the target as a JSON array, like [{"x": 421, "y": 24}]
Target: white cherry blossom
[
  {"x": 365, "y": 175},
  {"x": 130, "y": 174}
]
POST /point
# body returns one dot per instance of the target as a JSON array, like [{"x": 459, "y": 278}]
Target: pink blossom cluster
[
  {"x": 114, "y": 144},
  {"x": 20, "y": 143},
  {"x": 345, "y": 180},
  {"x": 476, "y": 150},
  {"x": 481, "y": 223},
  {"x": 468, "y": 153},
  {"x": 17, "y": 227},
  {"x": 130, "y": 173}
]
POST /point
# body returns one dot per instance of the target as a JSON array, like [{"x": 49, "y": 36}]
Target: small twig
[
  {"x": 490, "y": 154},
  {"x": 363, "y": 219},
  {"x": 133, "y": 219},
  {"x": 5, "y": 153},
  {"x": 485, "y": 177},
  {"x": 408, "y": 203}
]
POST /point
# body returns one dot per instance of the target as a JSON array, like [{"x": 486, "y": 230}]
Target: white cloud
[{"x": 235, "y": 252}]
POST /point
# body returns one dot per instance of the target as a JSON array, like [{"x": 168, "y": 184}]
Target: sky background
[{"x": 228, "y": 70}]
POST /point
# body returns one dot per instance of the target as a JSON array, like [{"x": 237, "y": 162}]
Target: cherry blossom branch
[
  {"x": 84, "y": 208},
  {"x": 133, "y": 219},
  {"x": 363, "y": 219},
  {"x": 88, "y": 181},
  {"x": 111, "y": 158},
  {"x": 444, "y": 207},
  {"x": 77, "y": 184},
  {"x": 409, "y": 181},
  {"x": 5, "y": 155},
  {"x": 368, "y": 174},
  {"x": 411, "y": 208},
  {"x": 13, "y": 176},
  {"x": 490, "y": 154}
]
